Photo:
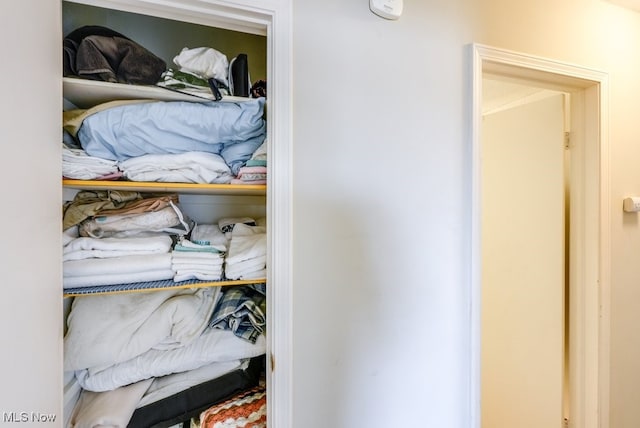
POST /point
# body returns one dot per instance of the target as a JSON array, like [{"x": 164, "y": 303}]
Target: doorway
[
  {"x": 524, "y": 250},
  {"x": 587, "y": 265}
]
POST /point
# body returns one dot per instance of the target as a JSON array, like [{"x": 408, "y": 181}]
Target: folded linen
[
  {"x": 78, "y": 165},
  {"x": 187, "y": 256},
  {"x": 117, "y": 265},
  {"x": 116, "y": 278},
  {"x": 232, "y": 130},
  {"x": 189, "y": 167},
  {"x": 84, "y": 247},
  {"x": 247, "y": 242},
  {"x": 109, "y": 409},
  {"x": 107, "y": 329},
  {"x": 246, "y": 269},
  {"x": 214, "y": 345}
]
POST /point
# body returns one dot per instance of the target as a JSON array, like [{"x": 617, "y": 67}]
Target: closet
[{"x": 115, "y": 351}]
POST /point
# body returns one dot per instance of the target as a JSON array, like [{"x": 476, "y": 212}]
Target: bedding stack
[
  {"x": 125, "y": 347},
  {"x": 140, "y": 359},
  {"x": 175, "y": 141},
  {"x": 200, "y": 257},
  {"x": 119, "y": 237},
  {"x": 247, "y": 256},
  {"x": 254, "y": 170}
]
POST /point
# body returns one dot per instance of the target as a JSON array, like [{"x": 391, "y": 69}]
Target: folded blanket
[
  {"x": 96, "y": 280},
  {"x": 107, "y": 329},
  {"x": 85, "y": 248},
  {"x": 247, "y": 409},
  {"x": 117, "y": 265},
  {"x": 229, "y": 129},
  {"x": 189, "y": 167},
  {"x": 110, "y": 409},
  {"x": 213, "y": 345}
]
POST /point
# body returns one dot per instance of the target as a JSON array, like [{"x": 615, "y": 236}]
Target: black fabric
[
  {"x": 191, "y": 402},
  {"x": 239, "y": 75}
]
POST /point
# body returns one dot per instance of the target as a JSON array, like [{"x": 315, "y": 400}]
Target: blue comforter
[{"x": 232, "y": 130}]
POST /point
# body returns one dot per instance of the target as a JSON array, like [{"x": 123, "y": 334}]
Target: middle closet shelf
[{"x": 233, "y": 194}]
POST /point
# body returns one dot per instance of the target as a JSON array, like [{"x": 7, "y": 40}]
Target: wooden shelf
[
  {"x": 206, "y": 189},
  {"x": 153, "y": 286}
]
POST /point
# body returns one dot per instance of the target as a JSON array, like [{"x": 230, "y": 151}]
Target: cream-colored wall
[{"x": 382, "y": 199}]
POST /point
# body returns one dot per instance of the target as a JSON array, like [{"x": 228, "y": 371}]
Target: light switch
[{"x": 632, "y": 204}]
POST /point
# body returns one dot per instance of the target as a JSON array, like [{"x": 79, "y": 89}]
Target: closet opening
[{"x": 225, "y": 256}]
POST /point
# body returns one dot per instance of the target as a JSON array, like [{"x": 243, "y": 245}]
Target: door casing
[{"x": 589, "y": 263}]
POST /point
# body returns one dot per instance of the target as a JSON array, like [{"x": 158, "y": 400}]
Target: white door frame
[{"x": 590, "y": 235}]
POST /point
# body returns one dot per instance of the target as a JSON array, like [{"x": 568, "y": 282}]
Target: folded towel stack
[
  {"x": 247, "y": 256},
  {"x": 200, "y": 257}
]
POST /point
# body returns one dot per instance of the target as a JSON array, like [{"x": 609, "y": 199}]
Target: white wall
[
  {"x": 381, "y": 135},
  {"x": 31, "y": 299}
]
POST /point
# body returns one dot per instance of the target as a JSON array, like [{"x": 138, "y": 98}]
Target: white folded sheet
[
  {"x": 189, "y": 167},
  {"x": 84, "y": 247}
]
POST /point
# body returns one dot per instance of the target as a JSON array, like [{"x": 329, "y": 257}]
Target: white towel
[
  {"x": 84, "y": 247},
  {"x": 117, "y": 265}
]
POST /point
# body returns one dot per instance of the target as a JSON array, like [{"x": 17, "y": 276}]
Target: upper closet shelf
[
  {"x": 201, "y": 189},
  {"x": 85, "y": 93}
]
